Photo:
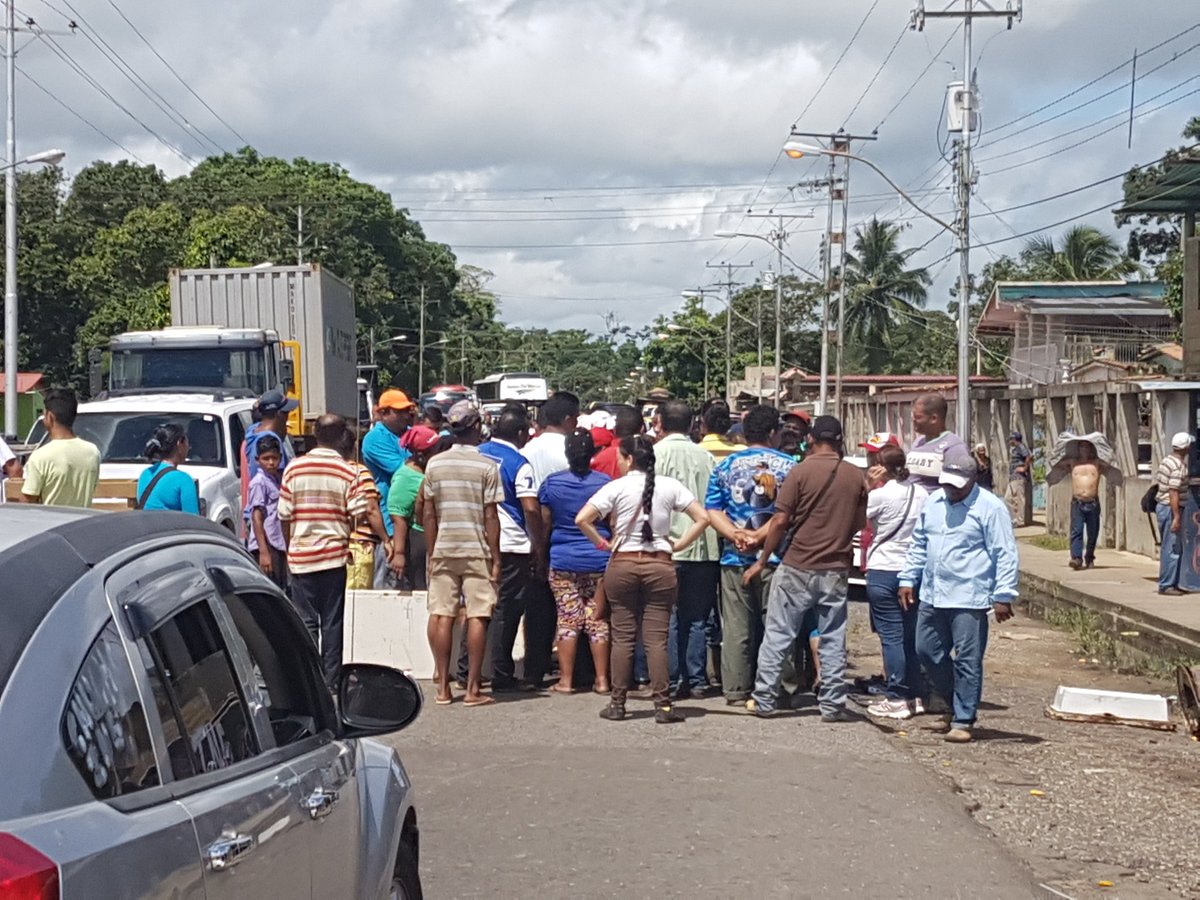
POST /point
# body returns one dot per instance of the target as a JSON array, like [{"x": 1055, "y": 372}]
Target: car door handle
[
  {"x": 227, "y": 850},
  {"x": 320, "y": 802}
]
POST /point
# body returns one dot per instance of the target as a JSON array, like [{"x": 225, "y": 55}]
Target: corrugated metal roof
[
  {"x": 26, "y": 382},
  {"x": 1084, "y": 292},
  {"x": 1176, "y": 190}
]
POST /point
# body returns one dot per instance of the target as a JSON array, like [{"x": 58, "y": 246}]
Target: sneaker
[
  {"x": 838, "y": 715},
  {"x": 1173, "y": 592},
  {"x": 876, "y": 689},
  {"x": 890, "y": 709},
  {"x": 1076, "y": 564},
  {"x": 959, "y": 735},
  {"x": 918, "y": 707}
]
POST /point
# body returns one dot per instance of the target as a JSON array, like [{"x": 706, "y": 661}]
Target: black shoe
[
  {"x": 683, "y": 693},
  {"x": 514, "y": 687},
  {"x": 613, "y": 712},
  {"x": 1173, "y": 592},
  {"x": 838, "y": 715},
  {"x": 1076, "y": 564},
  {"x": 666, "y": 715}
]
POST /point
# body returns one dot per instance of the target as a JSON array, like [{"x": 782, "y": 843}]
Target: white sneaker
[
  {"x": 890, "y": 709},
  {"x": 918, "y": 707}
]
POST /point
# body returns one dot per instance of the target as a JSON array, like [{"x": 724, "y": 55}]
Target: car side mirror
[{"x": 376, "y": 699}]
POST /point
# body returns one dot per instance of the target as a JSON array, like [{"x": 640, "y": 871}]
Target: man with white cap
[
  {"x": 963, "y": 556},
  {"x": 1171, "y": 477},
  {"x": 934, "y": 441}
]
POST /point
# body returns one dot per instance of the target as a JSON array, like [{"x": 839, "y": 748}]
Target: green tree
[
  {"x": 1084, "y": 254},
  {"x": 881, "y": 291}
]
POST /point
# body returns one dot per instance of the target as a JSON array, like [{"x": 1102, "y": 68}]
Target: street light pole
[
  {"x": 10, "y": 230},
  {"x": 780, "y": 237},
  {"x": 421, "y": 346}
]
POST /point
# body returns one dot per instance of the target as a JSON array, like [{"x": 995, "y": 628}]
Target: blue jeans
[
  {"x": 794, "y": 592},
  {"x": 688, "y": 641},
  {"x": 1170, "y": 554},
  {"x": 897, "y": 629},
  {"x": 950, "y": 645},
  {"x": 1085, "y": 515}
]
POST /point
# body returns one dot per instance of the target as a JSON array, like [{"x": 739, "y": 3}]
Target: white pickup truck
[{"x": 215, "y": 426}]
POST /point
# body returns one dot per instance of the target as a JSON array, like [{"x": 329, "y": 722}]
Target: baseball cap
[
  {"x": 394, "y": 398},
  {"x": 1016, "y": 436},
  {"x": 274, "y": 401},
  {"x": 802, "y": 414},
  {"x": 462, "y": 415},
  {"x": 1182, "y": 441},
  {"x": 879, "y": 440},
  {"x": 958, "y": 469},
  {"x": 419, "y": 438},
  {"x": 826, "y": 428}
]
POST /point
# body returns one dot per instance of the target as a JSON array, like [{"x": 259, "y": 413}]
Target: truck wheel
[
  {"x": 406, "y": 880},
  {"x": 228, "y": 526}
]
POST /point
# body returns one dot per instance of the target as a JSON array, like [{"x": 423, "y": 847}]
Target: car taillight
[{"x": 26, "y": 873}]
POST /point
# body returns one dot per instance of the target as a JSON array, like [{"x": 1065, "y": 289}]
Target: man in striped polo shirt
[
  {"x": 320, "y": 495},
  {"x": 462, "y": 491}
]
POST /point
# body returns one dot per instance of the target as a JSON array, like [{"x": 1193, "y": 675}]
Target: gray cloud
[{"x": 543, "y": 138}]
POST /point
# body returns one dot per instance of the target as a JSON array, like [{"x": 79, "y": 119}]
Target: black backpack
[{"x": 1150, "y": 498}]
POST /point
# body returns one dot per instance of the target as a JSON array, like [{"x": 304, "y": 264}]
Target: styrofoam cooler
[{"x": 389, "y": 628}]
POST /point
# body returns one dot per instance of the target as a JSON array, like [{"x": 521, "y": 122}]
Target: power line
[
  {"x": 920, "y": 76},
  {"x": 37, "y": 84},
  {"x": 62, "y": 54},
  {"x": 174, "y": 115},
  {"x": 216, "y": 115},
  {"x": 875, "y": 77}
]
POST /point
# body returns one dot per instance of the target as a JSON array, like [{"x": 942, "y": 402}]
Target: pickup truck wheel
[
  {"x": 406, "y": 880},
  {"x": 228, "y": 526}
]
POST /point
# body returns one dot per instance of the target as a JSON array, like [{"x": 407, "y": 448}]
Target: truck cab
[
  {"x": 215, "y": 425},
  {"x": 242, "y": 362}
]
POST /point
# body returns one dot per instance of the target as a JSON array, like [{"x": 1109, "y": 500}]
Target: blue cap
[{"x": 275, "y": 401}]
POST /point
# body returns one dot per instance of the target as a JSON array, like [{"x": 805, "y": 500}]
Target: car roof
[
  {"x": 167, "y": 403},
  {"x": 44, "y": 550}
]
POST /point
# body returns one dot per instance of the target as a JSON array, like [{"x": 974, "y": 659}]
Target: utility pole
[
  {"x": 421, "y": 346},
  {"x": 729, "y": 284},
  {"x": 776, "y": 237},
  {"x": 839, "y": 192},
  {"x": 965, "y": 106},
  {"x": 299, "y": 235}
]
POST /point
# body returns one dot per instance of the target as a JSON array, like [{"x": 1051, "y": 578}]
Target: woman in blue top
[
  {"x": 575, "y": 563},
  {"x": 163, "y": 486}
]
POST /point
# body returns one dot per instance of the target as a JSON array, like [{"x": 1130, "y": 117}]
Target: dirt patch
[{"x": 1082, "y": 803}]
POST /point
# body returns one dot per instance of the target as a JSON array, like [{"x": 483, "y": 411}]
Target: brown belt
[{"x": 642, "y": 554}]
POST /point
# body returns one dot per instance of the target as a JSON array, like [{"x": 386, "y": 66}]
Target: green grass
[
  {"x": 1087, "y": 631},
  {"x": 1049, "y": 541}
]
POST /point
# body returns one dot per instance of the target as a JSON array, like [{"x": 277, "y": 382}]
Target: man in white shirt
[
  {"x": 547, "y": 454},
  {"x": 10, "y": 467}
]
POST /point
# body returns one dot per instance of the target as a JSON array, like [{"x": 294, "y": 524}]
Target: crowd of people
[{"x": 680, "y": 558}]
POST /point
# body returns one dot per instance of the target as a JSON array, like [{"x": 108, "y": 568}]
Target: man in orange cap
[{"x": 383, "y": 456}]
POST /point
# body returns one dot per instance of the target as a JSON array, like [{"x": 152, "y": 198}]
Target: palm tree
[
  {"x": 880, "y": 290},
  {"x": 1086, "y": 254}
]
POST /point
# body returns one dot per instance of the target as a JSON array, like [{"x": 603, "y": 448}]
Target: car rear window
[{"x": 104, "y": 726}]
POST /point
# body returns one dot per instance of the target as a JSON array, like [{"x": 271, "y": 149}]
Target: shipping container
[{"x": 305, "y": 304}]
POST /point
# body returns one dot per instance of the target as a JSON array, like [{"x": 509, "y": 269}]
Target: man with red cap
[{"x": 383, "y": 456}]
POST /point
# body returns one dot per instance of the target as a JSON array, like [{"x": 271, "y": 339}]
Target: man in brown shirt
[{"x": 825, "y": 499}]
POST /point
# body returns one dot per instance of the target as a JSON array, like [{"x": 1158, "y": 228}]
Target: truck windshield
[
  {"x": 227, "y": 368},
  {"x": 122, "y": 436}
]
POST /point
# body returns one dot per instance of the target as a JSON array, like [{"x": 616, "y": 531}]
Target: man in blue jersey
[
  {"x": 521, "y": 540},
  {"x": 383, "y": 456}
]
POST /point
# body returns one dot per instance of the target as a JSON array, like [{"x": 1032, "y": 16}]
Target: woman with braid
[{"x": 640, "y": 581}]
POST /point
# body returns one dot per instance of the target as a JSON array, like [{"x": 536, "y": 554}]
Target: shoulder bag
[
  {"x": 895, "y": 531},
  {"x": 141, "y": 504},
  {"x": 798, "y": 520}
]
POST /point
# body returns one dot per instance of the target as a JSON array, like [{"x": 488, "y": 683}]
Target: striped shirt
[
  {"x": 361, "y": 530},
  {"x": 1171, "y": 476},
  {"x": 460, "y": 482},
  {"x": 320, "y": 494}
]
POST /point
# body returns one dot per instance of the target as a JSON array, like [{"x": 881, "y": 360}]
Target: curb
[{"x": 1154, "y": 636}]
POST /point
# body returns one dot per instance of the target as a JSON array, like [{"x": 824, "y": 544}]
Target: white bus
[{"x": 524, "y": 387}]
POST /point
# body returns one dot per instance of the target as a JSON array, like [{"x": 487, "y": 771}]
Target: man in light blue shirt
[{"x": 963, "y": 557}]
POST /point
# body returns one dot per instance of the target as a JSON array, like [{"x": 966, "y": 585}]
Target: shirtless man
[{"x": 1085, "y": 506}]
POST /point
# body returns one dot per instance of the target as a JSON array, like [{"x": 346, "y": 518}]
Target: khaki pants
[
  {"x": 641, "y": 592},
  {"x": 1014, "y": 496}
]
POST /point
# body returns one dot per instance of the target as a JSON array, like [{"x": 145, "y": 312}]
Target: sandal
[
  {"x": 559, "y": 689},
  {"x": 482, "y": 700}
]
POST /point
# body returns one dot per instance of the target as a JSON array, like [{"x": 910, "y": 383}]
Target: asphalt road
[{"x": 538, "y": 796}]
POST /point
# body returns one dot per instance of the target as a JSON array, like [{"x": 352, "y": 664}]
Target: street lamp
[
  {"x": 49, "y": 158},
  {"x": 798, "y": 149}
]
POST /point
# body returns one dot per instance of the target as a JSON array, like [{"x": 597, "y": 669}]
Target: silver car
[{"x": 165, "y": 730}]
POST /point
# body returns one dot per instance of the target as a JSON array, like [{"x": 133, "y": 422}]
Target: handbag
[{"x": 1150, "y": 498}]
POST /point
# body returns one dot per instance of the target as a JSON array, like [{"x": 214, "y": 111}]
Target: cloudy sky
[{"x": 586, "y": 151}]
